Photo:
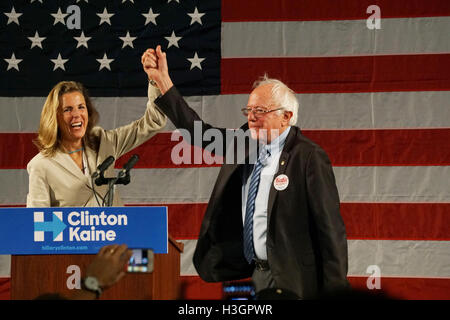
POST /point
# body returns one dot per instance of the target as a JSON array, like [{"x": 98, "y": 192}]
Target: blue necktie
[{"x": 249, "y": 251}]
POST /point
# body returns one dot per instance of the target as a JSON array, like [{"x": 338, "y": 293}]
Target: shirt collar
[{"x": 277, "y": 144}]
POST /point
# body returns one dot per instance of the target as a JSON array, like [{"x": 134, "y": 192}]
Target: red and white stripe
[{"x": 378, "y": 101}]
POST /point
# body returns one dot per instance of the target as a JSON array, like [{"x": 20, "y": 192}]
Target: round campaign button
[{"x": 281, "y": 182}]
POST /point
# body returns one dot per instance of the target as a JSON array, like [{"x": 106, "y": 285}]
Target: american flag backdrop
[{"x": 377, "y": 100}]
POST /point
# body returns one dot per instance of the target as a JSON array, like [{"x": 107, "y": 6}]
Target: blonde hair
[
  {"x": 48, "y": 140},
  {"x": 282, "y": 96}
]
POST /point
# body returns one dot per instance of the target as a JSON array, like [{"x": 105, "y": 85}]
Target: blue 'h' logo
[{"x": 56, "y": 226}]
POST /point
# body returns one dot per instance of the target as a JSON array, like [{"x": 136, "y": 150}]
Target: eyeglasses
[{"x": 258, "y": 112}]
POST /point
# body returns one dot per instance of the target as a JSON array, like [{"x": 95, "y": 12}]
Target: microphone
[
  {"x": 130, "y": 164},
  {"x": 103, "y": 166}
]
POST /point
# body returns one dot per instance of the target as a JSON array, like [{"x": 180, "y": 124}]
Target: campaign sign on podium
[{"x": 81, "y": 230}]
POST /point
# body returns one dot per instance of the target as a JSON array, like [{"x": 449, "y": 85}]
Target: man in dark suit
[{"x": 276, "y": 219}]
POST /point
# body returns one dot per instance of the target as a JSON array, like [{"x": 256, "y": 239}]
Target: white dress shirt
[{"x": 262, "y": 197}]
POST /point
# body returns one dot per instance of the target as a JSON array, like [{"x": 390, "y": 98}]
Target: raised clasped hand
[{"x": 154, "y": 63}]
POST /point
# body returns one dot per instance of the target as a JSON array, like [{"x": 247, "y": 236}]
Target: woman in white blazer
[{"x": 71, "y": 147}]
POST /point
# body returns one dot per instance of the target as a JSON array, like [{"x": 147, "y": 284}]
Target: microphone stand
[{"x": 122, "y": 178}]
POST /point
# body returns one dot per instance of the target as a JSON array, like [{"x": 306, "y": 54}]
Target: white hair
[{"x": 282, "y": 96}]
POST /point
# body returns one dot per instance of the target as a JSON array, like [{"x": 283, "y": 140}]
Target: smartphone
[
  {"x": 141, "y": 260},
  {"x": 238, "y": 290}
]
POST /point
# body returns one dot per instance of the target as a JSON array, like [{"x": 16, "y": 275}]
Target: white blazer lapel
[
  {"x": 66, "y": 162},
  {"x": 91, "y": 156}
]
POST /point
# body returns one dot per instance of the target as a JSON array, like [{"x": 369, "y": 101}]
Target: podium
[{"x": 34, "y": 275}]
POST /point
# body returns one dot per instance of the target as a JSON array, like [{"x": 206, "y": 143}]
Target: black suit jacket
[{"x": 306, "y": 238}]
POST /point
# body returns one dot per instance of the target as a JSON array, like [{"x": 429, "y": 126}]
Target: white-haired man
[{"x": 276, "y": 220}]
